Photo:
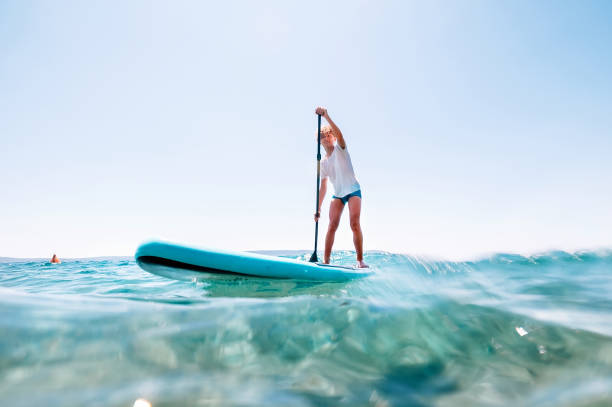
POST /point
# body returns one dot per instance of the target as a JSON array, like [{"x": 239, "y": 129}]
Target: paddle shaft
[{"x": 313, "y": 258}]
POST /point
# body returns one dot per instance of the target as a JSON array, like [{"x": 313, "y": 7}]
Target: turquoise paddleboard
[{"x": 184, "y": 262}]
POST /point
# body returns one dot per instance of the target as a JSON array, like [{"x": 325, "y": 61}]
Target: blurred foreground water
[{"x": 505, "y": 330}]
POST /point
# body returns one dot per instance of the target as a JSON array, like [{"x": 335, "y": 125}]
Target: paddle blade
[{"x": 313, "y": 258}]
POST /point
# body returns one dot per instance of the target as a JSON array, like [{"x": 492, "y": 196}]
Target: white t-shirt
[{"x": 339, "y": 169}]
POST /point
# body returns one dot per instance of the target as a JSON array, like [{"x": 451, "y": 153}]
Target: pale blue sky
[{"x": 473, "y": 126}]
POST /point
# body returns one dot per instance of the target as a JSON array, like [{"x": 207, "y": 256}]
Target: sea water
[{"x": 505, "y": 330}]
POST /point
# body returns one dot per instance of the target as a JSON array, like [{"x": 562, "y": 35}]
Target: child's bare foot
[{"x": 362, "y": 265}]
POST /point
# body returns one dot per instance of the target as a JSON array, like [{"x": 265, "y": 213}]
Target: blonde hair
[{"x": 327, "y": 129}]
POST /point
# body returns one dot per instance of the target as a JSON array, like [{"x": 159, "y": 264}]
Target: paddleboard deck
[{"x": 185, "y": 262}]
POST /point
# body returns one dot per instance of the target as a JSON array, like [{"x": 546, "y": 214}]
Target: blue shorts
[{"x": 346, "y": 198}]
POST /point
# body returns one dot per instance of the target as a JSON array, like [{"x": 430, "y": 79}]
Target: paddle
[{"x": 313, "y": 258}]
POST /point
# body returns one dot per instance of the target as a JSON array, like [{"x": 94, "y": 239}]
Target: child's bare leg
[
  {"x": 335, "y": 211},
  {"x": 354, "y": 205}
]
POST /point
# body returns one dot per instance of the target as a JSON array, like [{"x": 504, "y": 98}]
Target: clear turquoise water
[{"x": 505, "y": 330}]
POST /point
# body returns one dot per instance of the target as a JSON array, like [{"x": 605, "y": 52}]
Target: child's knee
[{"x": 333, "y": 225}]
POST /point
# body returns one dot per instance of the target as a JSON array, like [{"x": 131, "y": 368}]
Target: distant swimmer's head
[
  {"x": 55, "y": 259},
  {"x": 327, "y": 136}
]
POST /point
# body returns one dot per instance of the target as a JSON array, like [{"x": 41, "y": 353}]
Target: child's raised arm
[{"x": 337, "y": 133}]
